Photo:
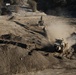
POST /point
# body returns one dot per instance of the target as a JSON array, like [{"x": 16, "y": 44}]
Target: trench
[{"x": 13, "y": 43}]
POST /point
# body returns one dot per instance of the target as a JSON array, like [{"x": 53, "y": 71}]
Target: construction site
[{"x": 37, "y": 38}]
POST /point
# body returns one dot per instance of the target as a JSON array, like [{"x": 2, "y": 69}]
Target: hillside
[
  {"x": 18, "y": 59},
  {"x": 27, "y": 48}
]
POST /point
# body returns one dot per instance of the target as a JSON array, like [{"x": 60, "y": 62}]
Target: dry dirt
[{"x": 24, "y": 46}]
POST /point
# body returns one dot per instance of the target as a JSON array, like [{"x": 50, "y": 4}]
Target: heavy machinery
[
  {"x": 59, "y": 45},
  {"x": 62, "y": 50}
]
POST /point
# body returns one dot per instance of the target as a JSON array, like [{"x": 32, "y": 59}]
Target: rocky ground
[{"x": 25, "y": 48}]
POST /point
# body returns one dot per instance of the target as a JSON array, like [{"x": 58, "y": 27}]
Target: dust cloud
[{"x": 58, "y": 29}]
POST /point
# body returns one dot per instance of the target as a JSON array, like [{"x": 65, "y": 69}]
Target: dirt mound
[
  {"x": 36, "y": 61},
  {"x": 11, "y": 59},
  {"x": 24, "y": 47}
]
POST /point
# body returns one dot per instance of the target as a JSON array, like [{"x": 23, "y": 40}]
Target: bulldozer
[
  {"x": 62, "y": 50},
  {"x": 59, "y": 45}
]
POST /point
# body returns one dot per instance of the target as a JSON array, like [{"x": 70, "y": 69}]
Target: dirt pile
[
  {"x": 36, "y": 61},
  {"x": 24, "y": 47},
  {"x": 13, "y": 53}
]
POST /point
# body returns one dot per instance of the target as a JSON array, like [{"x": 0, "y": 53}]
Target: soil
[{"x": 26, "y": 50}]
